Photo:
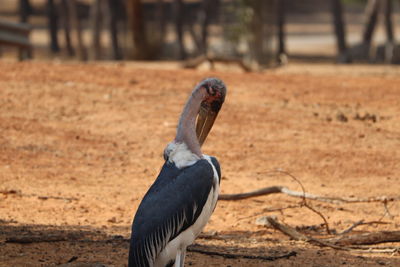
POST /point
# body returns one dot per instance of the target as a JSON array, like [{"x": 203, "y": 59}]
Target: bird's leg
[{"x": 180, "y": 258}]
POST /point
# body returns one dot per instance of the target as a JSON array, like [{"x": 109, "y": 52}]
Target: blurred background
[{"x": 253, "y": 33}]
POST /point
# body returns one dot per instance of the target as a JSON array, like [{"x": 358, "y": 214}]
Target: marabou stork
[{"x": 181, "y": 200}]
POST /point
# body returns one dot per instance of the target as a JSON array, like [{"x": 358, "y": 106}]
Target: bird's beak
[{"x": 205, "y": 120}]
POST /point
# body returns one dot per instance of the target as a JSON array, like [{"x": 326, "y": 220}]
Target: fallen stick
[
  {"x": 348, "y": 230},
  {"x": 366, "y": 238},
  {"x": 356, "y": 224},
  {"x": 61, "y": 237},
  {"x": 296, "y": 235},
  {"x": 256, "y": 193},
  {"x": 284, "y": 190},
  {"x": 39, "y": 239},
  {"x": 202, "y": 250},
  {"x": 339, "y": 242},
  {"x": 20, "y": 194}
]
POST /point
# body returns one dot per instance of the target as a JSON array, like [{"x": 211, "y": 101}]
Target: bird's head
[{"x": 214, "y": 97}]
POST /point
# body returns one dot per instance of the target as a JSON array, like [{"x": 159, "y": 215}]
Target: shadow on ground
[{"x": 48, "y": 245}]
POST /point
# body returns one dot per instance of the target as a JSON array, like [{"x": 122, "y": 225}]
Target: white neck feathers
[{"x": 180, "y": 154}]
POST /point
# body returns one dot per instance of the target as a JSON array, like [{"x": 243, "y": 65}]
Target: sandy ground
[{"x": 81, "y": 143}]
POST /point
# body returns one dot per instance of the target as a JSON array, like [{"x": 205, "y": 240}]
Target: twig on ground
[
  {"x": 20, "y": 194},
  {"x": 377, "y": 248},
  {"x": 366, "y": 238},
  {"x": 284, "y": 190},
  {"x": 203, "y": 250},
  {"x": 72, "y": 259},
  {"x": 348, "y": 230},
  {"x": 293, "y": 233},
  {"x": 339, "y": 242},
  {"x": 356, "y": 224},
  {"x": 27, "y": 239},
  {"x": 387, "y": 212},
  {"x": 305, "y": 199},
  {"x": 271, "y": 210},
  {"x": 256, "y": 193},
  {"x": 328, "y": 230},
  {"x": 57, "y": 198}
]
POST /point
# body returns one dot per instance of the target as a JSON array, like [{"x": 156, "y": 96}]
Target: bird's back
[{"x": 173, "y": 203}]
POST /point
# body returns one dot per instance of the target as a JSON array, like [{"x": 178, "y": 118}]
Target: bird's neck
[{"x": 186, "y": 131}]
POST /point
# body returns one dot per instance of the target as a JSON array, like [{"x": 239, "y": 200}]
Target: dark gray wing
[{"x": 172, "y": 204}]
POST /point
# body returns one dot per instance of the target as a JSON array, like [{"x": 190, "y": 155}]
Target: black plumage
[{"x": 172, "y": 204}]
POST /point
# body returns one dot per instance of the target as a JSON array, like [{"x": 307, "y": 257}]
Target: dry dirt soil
[{"x": 81, "y": 143}]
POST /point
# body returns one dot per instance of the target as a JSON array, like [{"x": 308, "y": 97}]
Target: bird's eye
[
  {"x": 209, "y": 89},
  {"x": 213, "y": 90}
]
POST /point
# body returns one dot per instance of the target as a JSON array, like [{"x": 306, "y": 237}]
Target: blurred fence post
[{"x": 16, "y": 35}]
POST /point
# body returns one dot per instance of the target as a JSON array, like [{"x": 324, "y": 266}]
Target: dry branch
[
  {"x": 367, "y": 238},
  {"x": 27, "y": 239},
  {"x": 256, "y": 193},
  {"x": 203, "y": 250},
  {"x": 296, "y": 235},
  {"x": 341, "y": 242},
  {"x": 348, "y": 230},
  {"x": 20, "y": 194},
  {"x": 284, "y": 190},
  {"x": 361, "y": 222}
]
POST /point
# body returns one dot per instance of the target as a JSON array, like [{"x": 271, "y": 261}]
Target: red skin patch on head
[{"x": 211, "y": 98}]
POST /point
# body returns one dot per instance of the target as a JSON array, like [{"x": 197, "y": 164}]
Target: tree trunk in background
[
  {"x": 390, "y": 40},
  {"x": 207, "y": 9},
  {"x": 73, "y": 9},
  {"x": 65, "y": 16},
  {"x": 257, "y": 29},
  {"x": 161, "y": 21},
  {"x": 95, "y": 26},
  {"x": 371, "y": 20},
  {"x": 280, "y": 21},
  {"x": 388, "y": 10},
  {"x": 113, "y": 27},
  {"x": 340, "y": 33},
  {"x": 179, "y": 20},
  {"x": 262, "y": 26},
  {"x": 52, "y": 24},
  {"x": 24, "y": 10},
  {"x": 137, "y": 25}
]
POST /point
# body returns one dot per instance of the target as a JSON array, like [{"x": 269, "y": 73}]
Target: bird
[{"x": 181, "y": 200}]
